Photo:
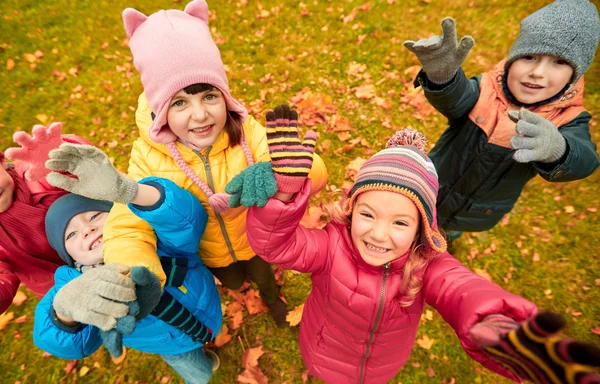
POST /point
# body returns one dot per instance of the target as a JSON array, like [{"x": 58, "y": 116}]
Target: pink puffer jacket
[{"x": 353, "y": 328}]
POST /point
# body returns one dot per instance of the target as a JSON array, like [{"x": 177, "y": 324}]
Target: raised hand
[
  {"x": 96, "y": 179},
  {"x": 291, "y": 159},
  {"x": 253, "y": 186},
  {"x": 441, "y": 56},
  {"x": 533, "y": 351},
  {"x": 540, "y": 141},
  {"x": 98, "y": 297},
  {"x": 35, "y": 148}
]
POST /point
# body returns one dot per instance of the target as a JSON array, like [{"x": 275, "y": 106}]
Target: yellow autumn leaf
[
  {"x": 30, "y": 57},
  {"x": 294, "y": 316},
  {"x": 41, "y": 117},
  {"x": 83, "y": 371},
  {"x": 483, "y": 274},
  {"x": 425, "y": 342},
  {"x": 19, "y": 298},
  {"x": 10, "y": 64},
  {"x": 6, "y": 318}
]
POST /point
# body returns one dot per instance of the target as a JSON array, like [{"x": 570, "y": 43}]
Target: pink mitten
[{"x": 35, "y": 148}]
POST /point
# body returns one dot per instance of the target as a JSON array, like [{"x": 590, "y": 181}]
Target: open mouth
[
  {"x": 375, "y": 249},
  {"x": 201, "y": 130},
  {"x": 532, "y": 86},
  {"x": 96, "y": 243}
]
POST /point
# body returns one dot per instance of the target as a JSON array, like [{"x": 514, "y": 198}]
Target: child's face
[
  {"x": 535, "y": 78},
  {"x": 199, "y": 118},
  {"x": 7, "y": 186},
  {"x": 83, "y": 237},
  {"x": 384, "y": 226}
]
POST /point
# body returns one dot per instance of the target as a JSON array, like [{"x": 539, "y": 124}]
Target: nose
[
  {"x": 379, "y": 232},
  {"x": 199, "y": 112},
  {"x": 539, "y": 69},
  {"x": 88, "y": 230}
]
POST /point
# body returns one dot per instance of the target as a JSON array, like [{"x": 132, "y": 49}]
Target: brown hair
[
  {"x": 233, "y": 125},
  {"x": 418, "y": 259}
]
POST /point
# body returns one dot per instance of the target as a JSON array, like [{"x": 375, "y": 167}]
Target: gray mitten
[
  {"x": 97, "y": 297},
  {"x": 541, "y": 140},
  {"x": 96, "y": 179},
  {"x": 441, "y": 56}
]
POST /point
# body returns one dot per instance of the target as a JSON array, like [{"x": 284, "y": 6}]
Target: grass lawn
[{"x": 65, "y": 60}]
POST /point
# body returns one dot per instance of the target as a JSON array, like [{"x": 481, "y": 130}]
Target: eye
[
  {"x": 95, "y": 216},
  {"x": 529, "y": 57},
  {"x": 211, "y": 97},
  {"x": 71, "y": 234},
  {"x": 401, "y": 223},
  {"x": 366, "y": 214},
  {"x": 561, "y": 62},
  {"x": 178, "y": 103}
]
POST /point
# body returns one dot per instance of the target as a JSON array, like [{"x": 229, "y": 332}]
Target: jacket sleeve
[
  {"x": 581, "y": 159},
  {"x": 57, "y": 339},
  {"x": 464, "y": 299},
  {"x": 178, "y": 218},
  {"x": 275, "y": 234},
  {"x": 127, "y": 238},
  {"x": 9, "y": 282},
  {"x": 454, "y": 100},
  {"x": 260, "y": 150}
]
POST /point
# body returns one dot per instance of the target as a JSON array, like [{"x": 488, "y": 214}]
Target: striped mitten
[
  {"x": 535, "y": 353},
  {"x": 291, "y": 159}
]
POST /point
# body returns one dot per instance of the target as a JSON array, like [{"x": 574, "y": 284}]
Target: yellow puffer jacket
[{"x": 130, "y": 240}]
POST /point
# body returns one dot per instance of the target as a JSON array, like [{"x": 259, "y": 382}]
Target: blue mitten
[
  {"x": 148, "y": 292},
  {"x": 253, "y": 186}
]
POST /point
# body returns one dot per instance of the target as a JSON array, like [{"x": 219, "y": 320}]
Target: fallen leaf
[
  {"x": 312, "y": 218},
  {"x": 21, "y": 319},
  {"x": 10, "y": 64},
  {"x": 30, "y": 57},
  {"x": 483, "y": 274},
  {"x": 430, "y": 372},
  {"x": 83, "y": 371},
  {"x": 113, "y": 144},
  {"x": 223, "y": 337},
  {"x": 596, "y": 330},
  {"x": 46, "y": 355},
  {"x": 251, "y": 356},
  {"x": 569, "y": 209},
  {"x": 6, "y": 318},
  {"x": 41, "y": 117},
  {"x": 428, "y": 315},
  {"x": 252, "y": 376},
  {"x": 254, "y": 304},
  {"x": 237, "y": 320},
  {"x": 425, "y": 342},
  {"x": 19, "y": 298},
  {"x": 365, "y": 91},
  {"x": 233, "y": 308},
  {"x": 70, "y": 365},
  {"x": 295, "y": 315},
  {"x": 119, "y": 360},
  {"x": 353, "y": 167}
]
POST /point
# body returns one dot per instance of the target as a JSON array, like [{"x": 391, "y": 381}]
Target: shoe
[
  {"x": 279, "y": 312},
  {"x": 214, "y": 359}
]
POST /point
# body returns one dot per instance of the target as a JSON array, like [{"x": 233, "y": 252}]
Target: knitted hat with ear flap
[
  {"x": 174, "y": 49},
  {"x": 403, "y": 167},
  {"x": 567, "y": 29}
]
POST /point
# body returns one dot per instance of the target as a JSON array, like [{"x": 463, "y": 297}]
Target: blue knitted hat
[{"x": 61, "y": 212}]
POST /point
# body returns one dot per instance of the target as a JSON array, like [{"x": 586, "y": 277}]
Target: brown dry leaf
[
  {"x": 596, "y": 330},
  {"x": 365, "y": 91},
  {"x": 430, "y": 372},
  {"x": 252, "y": 376},
  {"x": 254, "y": 303},
  {"x": 10, "y": 64},
  {"x": 113, "y": 144},
  {"x": 233, "y": 308},
  {"x": 536, "y": 257},
  {"x": 483, "y": 274},
  {"x": 119, "y": 360},
  {"x": 30, "y": 57},
  {"x": 305, "y": 376},
  {"x": 223, "y": 337},
  {"x": 6, "y": 318},
  {"x": 251, "y": 356},
  {"x": 73, "y": 71},
  {"x": 236, "y": 295},
  {"x": 70, "y": 366},
  {"x": 294, "y": 316},
  {"x": 597, "y": 281},
  {"x": 353, "y": 167},
  {"x": 19, "y": 298},
  {"x": 236, "y": 320},
  {"x": 83, "y": 371},
  {"x": 425, "y": 342},
  {"x": 386, "y": 104},
  {"x": 21, "y": 319},
  {"x": 338, "y": 124},
  {"x": 312, "y": 218},
  {"x": 344, "y": 136}
]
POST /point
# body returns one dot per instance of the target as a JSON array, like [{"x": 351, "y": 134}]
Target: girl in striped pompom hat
[{"x": 380, "y": 260}]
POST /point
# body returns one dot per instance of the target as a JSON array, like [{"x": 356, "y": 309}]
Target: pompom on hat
[
  {"x": 174, "y": 49},
  {"x": 403, "y": 167}
]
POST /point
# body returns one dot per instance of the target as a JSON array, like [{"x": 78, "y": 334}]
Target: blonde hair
[{"x": 418, "y": 258}]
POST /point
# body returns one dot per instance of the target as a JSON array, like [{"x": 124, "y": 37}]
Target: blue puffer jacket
[{"x": 178, "y": 219}]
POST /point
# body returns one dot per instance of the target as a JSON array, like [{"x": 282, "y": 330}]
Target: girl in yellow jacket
[{"x": 193, "y": 132}]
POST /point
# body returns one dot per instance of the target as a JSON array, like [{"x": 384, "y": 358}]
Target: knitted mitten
[
  {"x": 253, "y": 186},
  {"x": 96, "y": 179},
  {"x": 441, "y": 56},
  {"x": 148, "y": 292},
  {"x": 291, "y": 159},
  {"x": 533, "y": 352},
  {"x": 540, "y": 141},
  {"x": 35, "y": 148}
]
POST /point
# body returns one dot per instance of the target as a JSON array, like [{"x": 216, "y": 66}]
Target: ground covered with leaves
[{"x": 342, "y": 65}]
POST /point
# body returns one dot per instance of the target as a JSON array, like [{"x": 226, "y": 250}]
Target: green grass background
[{"x": 97, "y": 100}]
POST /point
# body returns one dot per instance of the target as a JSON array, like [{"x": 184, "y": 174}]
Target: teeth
[
  {"x": 198, "y": 130},
  {"x": 376, "y": 249},
  {"x": 96, "y": 243},
  {"x": 533, "y": 86}
]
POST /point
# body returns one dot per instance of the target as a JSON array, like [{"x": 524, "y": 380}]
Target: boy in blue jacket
[{"x": 89, "y": 297}]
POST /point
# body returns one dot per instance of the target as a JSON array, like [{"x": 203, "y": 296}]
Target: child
[
  {"x": 483, "y": 159},
  {"x": 25, "y": 256},
  {"x": 74, "y": 225},
  {"x": 196, "y": 134},
  {"x": 378, "y": 262}
]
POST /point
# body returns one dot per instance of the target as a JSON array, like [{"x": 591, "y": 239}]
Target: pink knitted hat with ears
[{"x": 174, "y": 49}]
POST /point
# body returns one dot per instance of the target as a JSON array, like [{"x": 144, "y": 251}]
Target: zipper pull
[{"x": 386, "y": 266}]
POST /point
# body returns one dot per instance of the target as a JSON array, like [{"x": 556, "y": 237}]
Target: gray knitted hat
[{"x": 568, "y": 29}]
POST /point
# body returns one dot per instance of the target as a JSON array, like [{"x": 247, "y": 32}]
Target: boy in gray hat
[{"x": 524, "y": 117}]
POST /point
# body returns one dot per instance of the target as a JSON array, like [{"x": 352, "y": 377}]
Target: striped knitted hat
[{"x": 403, "y": 168}]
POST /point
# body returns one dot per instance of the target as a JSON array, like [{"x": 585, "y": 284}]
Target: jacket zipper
[
  {"x": 209, "y": 179},
  {"x": 381, "y": 297}
]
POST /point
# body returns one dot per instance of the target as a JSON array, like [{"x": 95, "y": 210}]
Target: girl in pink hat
[{"x": 195, "y": 133}]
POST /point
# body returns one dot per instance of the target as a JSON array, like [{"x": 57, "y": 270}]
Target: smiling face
[
  {"x": 384, "y": 226},
  {"x": 199, "y": 118},
  {"x": 83, "y": 237},
  {"x": 7, "y": 187},
  {"x": 536, "y": 78}
]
